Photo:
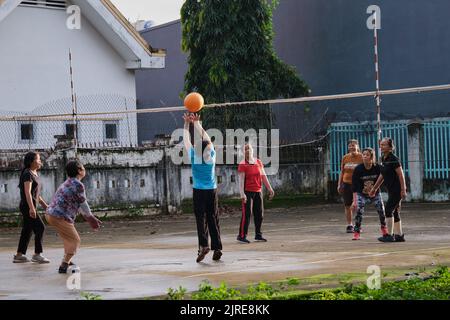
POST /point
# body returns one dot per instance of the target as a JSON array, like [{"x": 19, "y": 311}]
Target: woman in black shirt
[
  {"x": 30, "y": 189},
  {"x": 394, "y": 180},
  {"x": 364, "y": 177}
]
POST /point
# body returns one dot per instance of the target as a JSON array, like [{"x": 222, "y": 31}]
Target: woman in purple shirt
[{"x": 69, "y": 199}]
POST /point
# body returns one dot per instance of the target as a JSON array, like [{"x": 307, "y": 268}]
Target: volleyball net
[{"x": 307, "y": 131}]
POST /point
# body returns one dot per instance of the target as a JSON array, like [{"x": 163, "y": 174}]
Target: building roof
[{"x": 115, "y": 28}]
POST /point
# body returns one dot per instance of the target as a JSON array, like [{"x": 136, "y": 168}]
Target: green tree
[{"x": 232, "y": 58}]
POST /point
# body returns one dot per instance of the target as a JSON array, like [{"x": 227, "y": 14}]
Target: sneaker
[
  {"x": 39, "y": 259},
  {"x": 399, "y": 238},
  {"x": 217, "y": 254},
  {"x": 64, "y": 266},
  {"x": 356, "y": 235},
  {"x": 386, "y": 238},
  {"x": 243, "y": 240},
  {"x": 260, "y": 238},
  {"x": 20, "y": 259},
  {"x": 202, "y": 253},
  {"x": 349, "y": 228},
  {"x": 384, "y": 231}
]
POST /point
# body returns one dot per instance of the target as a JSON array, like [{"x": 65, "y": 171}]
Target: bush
[{"x": 433, "y": 287}]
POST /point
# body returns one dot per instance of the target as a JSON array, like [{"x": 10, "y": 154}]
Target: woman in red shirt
[{"x": 251, "y": 176}]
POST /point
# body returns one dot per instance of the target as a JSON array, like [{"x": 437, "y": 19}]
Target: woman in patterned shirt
[{"x": 69, "y": 199}]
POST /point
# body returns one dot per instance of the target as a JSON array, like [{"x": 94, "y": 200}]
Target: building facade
[{"x": 35, "y": 78}]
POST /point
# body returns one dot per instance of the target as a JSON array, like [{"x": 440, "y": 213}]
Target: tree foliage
[{"x": 232, "y": 58}]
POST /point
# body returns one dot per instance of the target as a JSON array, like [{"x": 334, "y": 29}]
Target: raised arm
[
  {"x": 186, "y": 136},
  {"x": 198, "y": 127}
]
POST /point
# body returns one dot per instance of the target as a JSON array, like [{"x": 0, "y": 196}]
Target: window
[
  {"x": 26, "y": 132},
  {"x": 111, "y": 131},
  {"x": 142, "y": 183},
  {"x": 97, "y": 184},
  {"x": 112, "y": 183},
  {"x": 3, "y": 188},
  {"x": 219, "y": 179},
  {"x": 233, "y": 178},
  {"x": 127, "y": 183},
  {"x": 70, "y": 130}
]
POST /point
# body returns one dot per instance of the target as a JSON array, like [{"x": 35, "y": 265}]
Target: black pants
[
  {"x": 207, "y": 217},
  {"x": 254, "y": 204},
  {"x": 393, "y": 205},
  {"x": 29, "y": 227}
]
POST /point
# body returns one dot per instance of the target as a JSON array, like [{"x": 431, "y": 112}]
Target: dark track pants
[
  {"x": 29, "y": 227},
  {"x": 254, "y": 205},
  {"x": 207, "y": 218}
]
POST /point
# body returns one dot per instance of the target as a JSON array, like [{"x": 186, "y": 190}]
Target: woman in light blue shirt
[{"x": 203, "y": 161}]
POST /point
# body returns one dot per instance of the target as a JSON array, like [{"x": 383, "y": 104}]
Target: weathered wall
[
  {"x": 120, "y": 178},
  {"x": 127, "y": 177}
]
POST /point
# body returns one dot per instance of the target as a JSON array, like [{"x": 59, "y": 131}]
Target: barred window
[{"x": 26, "y": 131}]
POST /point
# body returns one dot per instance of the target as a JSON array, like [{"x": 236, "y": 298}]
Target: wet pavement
[{"x": 135, "y": 259}]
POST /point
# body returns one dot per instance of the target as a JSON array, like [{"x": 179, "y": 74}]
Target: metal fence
[
  {"x": 24, "y": 131},
  {"x": 365, "y": 133},
  {"x": 437, "y": 149}
]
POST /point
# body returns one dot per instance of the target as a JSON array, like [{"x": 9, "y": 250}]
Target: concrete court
[{"x": 143, "y": 258}]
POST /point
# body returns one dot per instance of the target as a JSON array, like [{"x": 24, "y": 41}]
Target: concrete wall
[
  {"x": 34, "y": 61},
  {"x": 34, "y": 77},
  {"x": 126, "y": 177}
]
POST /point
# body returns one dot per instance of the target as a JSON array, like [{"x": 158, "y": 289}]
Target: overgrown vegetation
[{"x": 433, "y": 286}]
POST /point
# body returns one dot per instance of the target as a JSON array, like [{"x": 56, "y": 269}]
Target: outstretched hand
[
  {"x": 94, "y": 222},
  {"x": 195, "y": 117},
  {"x": 187, "y": 118}
]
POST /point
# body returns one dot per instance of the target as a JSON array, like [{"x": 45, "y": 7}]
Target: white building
[{"x": 35, "y": 39}]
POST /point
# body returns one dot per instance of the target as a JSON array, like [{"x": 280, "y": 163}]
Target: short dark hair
[{"x": 73, "y": 167}]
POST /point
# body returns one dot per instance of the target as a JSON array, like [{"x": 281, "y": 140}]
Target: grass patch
[{"x": 432, "y": 286}]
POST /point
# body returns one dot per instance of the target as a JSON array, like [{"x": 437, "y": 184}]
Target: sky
[{"x": 160, "y": 11}]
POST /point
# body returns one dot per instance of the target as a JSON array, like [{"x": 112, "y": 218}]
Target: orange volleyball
[{"x": 194, "y": 102}]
